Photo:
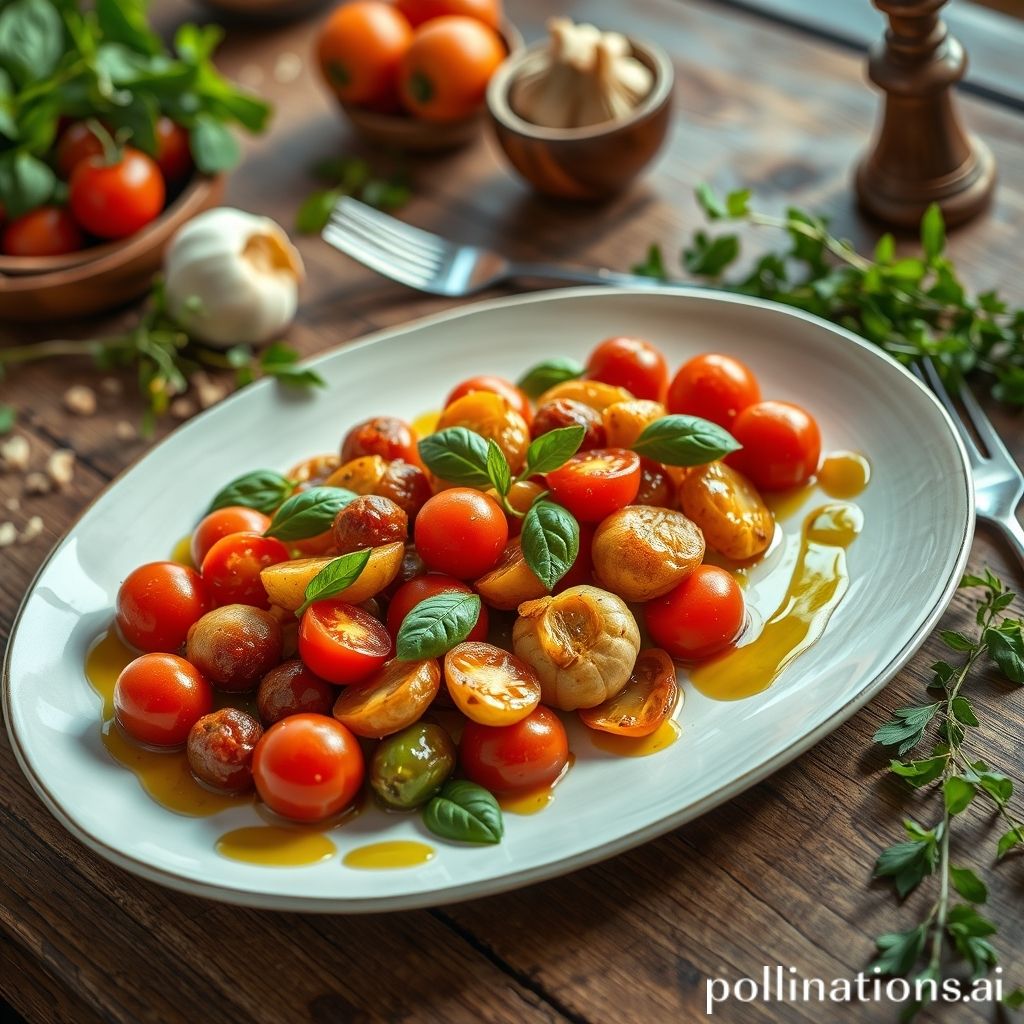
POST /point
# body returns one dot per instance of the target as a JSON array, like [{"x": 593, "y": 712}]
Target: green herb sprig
[
  {"x": 349, "y": 176},
  {"x": 959, "y": 778}
]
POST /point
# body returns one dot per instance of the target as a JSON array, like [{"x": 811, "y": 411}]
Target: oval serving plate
[{"x": 904, "y": 569}]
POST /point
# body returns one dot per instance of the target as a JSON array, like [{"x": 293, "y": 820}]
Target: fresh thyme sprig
[
  {"x": 909, "y": 306},
  {"x": 960, "y": 777}
]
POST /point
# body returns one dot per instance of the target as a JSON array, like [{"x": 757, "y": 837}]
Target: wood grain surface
[{"x": 779, "y": 875}]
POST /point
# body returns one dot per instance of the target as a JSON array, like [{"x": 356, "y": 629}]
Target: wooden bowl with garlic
[{"x": 582, "y": 114}]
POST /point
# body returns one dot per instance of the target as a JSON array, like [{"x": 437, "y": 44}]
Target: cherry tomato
[
  {"x": 392, "y": 698},
  {"x": 116, "y": 200},
  {"x": 592, "y": 485},
  {"x": 77, "y": 142},
  {"x": 159, "y": 697},
  {"x": 419, "y": 11},
  {"x": 647, "y": 699},
  {"x": 419, "y": 589},
  {"x": 515, "y": 396},
  {"x": 232, "y": 567},
  {"x": 342, "y": 643},
  {"x": 360, "y": 48},
  {"x": 656, "y": 485},
  {"x": 386, "y": 436},
  {"x": 700, "y": 617},
  {"x": 517, "y": 758},
  {"x": 290, "y": 689},
  {"x": 307, "y": 767},
  {"x": 158, "y": 603},
  {"x": 444, "y": 73},
  {"x": 221, "y": 523},
  {"x": 630, "y": 363},
  {"x": 173, "y": 152},
  {"x": 714, "y": 387},
  {"x": 46, "y": 231},
  {"x": 781, "y": 445},
  {"x": 461, "y": 532},
  {"x": 489, "y": 685}
]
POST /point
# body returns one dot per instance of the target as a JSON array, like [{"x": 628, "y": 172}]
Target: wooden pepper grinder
[{"x": 922, "y": 153}]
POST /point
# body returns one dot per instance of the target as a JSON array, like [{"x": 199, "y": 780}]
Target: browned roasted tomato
[
  {"x": 656, "y": 486},
  {"x": 291, "y": 689},
  {"x": 648, "y": 698},
  {"x": 313, "y": 471},
  {"x": 386, "y": 436},
  {"x": 235, "y": 646},
  {"x": 407, "y": 486},
  {"x": 220, "y": 747},
  {"x": 369, "y": 521},
  {"x": 412, "y": 567},
  {"x": 565, "y": 412}
]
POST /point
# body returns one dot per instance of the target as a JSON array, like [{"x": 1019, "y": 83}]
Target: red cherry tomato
[
  {"x": 592, "y": 485},
  {"x": 159, "y": 697},
  {"x": 307, "y": 767},
  {"x": 221, "y": 523},
  {"x": 700, "y": 617},
  {"x": 781, "y": 445},
  {"x": 515, "y": 396},
  {"x": 46, "y": 231},
  {"x": 714, "y": 387},
  {"x": 173, "y": 153},
  {"x": 386, "y": 436},
  {"x": 342, "y": 643},
  {"x": 116, "y": 200},
  {"x": 630, "y": 363},
  {"x": 461, "y": 532},
  {"x": 419, "y": 589},
  {"x": 77, "y": 142},
  {"x": 517, "y": 758},
  {"x": 158, "y": 603},
  {"x": 231, "y": 568}
]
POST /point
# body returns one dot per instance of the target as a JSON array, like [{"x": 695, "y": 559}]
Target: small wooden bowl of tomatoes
[
  {"x": 101, "y": 247},
  {"x": 413, "y": 74}
]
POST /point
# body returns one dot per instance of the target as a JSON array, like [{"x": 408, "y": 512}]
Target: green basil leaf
[
  {"x": 31, "y": 39},
  {"x": 308, "y": 513},
  {"x": 550, "y": 540},
  {"x": 685, "y": 441},
  {"x": 8, "y": 124},
  {"x": 335, "y": 577},
  {"x": 213, "y": 145},
  {"x": 553, "y": 449},
  {"x": 25, "y": 182},
  {"x": 263, "y": 489},
  {"x": 498, "y": 471},
  {"x": 465, "y": 812},
  {"x": 125, "y": 22},
  {"x": 547, "y": 374},
  {"x": 315, "y": 211},
  {"x": 456, "y": 455},
  {"x": 436, "y": 625}
]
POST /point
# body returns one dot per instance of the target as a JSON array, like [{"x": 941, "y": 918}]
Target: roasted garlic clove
[{"x": 582, "y": 644}]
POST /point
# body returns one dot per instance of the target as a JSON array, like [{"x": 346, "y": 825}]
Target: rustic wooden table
[{"x": 781, "y": 874}]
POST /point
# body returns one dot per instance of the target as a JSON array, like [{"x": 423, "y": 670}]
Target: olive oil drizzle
[{"x": 389, "y": 855}]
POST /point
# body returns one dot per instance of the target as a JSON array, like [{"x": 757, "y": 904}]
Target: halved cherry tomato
[
  {"x": 386, "y": 436},
  {"x": 231, "y": 568},
  {"x": 159, "y": 697},
  {"x": 221, "y": 523},
  {"x": 393, "y": 697},
  {"x": 158, "y": 603},
  {"x": 116, "y": 200},
  {"x": 342, "y": 643},
  {"x": 461, "y": 532},
  {"x": 517, "y": 758},
  {"x": 592, "y": 485},
  {"x": 489, "y": 685},
  {"x": 781, "y": 445},
  {"x": 307, "y": 767},
  {"x": 713, "y": 387},
  {"x": 647, "y": 699},
  {"x": 515, "y": 396},
  {"x": 419, "y": 11},
  {"x": 173, "y": 152},
  {"x": 630, "y": 363},
  {"x": 46, "y": 231},
  {"x": 419, "y": 589},
  {"x": 700, "y": 617},
  {"x": 76, "y": 143}
]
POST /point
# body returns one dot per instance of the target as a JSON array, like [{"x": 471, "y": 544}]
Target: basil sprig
[
  {"x": 262, "y": 489},
  {"x": 308, "y": 513},
  {"x": 436, "y": 625},
  {"x": 458, "y": 455},
  {"x": 335, "y": 577},
  {"x": 550, "y": 541},
  {"x": 465, "y": 812},
  {"x": 685, "y": 441},
  {"x": 547, "y": 374}
]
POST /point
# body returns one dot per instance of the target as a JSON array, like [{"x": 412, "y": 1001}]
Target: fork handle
[
  {"x": 584, "y": 275},
  {"x": 1013, "y": 533}
]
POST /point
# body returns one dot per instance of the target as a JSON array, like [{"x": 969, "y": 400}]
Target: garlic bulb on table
[
  {"x": 232, "y": 278},
  {"x": 584, "y": 77}
]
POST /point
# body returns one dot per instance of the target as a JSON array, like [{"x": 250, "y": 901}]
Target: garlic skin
[{"x": 232, "y": 278}]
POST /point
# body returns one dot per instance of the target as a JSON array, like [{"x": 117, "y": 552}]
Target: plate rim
[{"x": 256, "y": 898}]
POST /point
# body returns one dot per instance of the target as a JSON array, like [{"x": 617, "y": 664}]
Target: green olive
[{"x": 409, "y": 767}]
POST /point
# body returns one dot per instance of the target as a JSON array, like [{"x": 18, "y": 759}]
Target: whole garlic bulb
[{"x": 232, "y": 278}]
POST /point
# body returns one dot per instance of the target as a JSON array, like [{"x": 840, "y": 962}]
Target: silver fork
[
  {"x": 430, "y": 263},
  {"x": 998, "y": 481}
]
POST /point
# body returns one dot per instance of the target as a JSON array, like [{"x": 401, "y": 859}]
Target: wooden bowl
[
  {"x": 413, "y": 134},
  {"x": 103, "y": 276},
  {"x": 594, "y": 162}
]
